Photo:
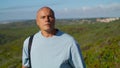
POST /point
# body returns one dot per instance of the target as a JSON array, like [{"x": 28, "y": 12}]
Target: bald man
[{"x": 51, "y": 48}]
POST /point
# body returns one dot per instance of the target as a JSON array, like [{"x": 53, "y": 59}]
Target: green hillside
[{"x": 100, "y": 42}]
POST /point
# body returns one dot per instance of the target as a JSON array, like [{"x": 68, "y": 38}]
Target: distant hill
[{"x": 99, "y": 42}]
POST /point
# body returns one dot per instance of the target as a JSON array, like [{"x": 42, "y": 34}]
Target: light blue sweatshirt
[{"x": 58, "y": 51}]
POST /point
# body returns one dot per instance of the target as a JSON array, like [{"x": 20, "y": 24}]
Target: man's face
[{"x": 45, "y": 19}]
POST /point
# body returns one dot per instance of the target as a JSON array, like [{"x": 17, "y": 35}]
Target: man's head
[{"x": 45, "y": 19}]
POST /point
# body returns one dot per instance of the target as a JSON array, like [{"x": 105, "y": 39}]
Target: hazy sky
[{"x": 26, "y": 9}]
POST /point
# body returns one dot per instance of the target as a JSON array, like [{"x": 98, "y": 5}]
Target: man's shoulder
[{"x": 66, "y": 36}]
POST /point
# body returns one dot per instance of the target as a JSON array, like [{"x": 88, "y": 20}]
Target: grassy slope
[{"x": 100, "y": 43}]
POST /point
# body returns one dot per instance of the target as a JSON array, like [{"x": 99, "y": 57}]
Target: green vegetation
[{"x": 100, "y": 42}]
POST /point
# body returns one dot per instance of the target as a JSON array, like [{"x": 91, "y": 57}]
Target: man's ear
[{"x": 37, "y": 21}]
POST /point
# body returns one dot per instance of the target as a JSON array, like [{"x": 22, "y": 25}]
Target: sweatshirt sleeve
[
  {"x": 25, "y": 61},
  {"x": 76, "y": 56}
]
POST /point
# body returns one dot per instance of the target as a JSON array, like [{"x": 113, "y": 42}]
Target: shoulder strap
[{"x": 29, "y": 49}]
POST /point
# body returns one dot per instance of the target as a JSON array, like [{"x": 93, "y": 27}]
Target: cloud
[
  {"x": 25, "y": 12},
  {"x": 32, "y": 6},
  {"x": 111, "y": 10}
]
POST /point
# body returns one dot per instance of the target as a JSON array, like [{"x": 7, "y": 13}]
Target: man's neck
[{"x": 49, "y": 33}]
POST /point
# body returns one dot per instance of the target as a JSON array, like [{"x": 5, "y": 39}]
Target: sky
[{"x": 26, "y": 9}]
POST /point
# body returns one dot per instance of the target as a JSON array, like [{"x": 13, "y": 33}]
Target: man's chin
[{"x": 48, "y": 30}]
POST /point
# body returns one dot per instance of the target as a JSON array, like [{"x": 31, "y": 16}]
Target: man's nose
[{"x": 47, "y": 19}]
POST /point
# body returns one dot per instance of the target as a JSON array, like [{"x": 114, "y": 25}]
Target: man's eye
[
  {"x": 42, "y": 17},
  {"x": 51, "y": 16}
]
